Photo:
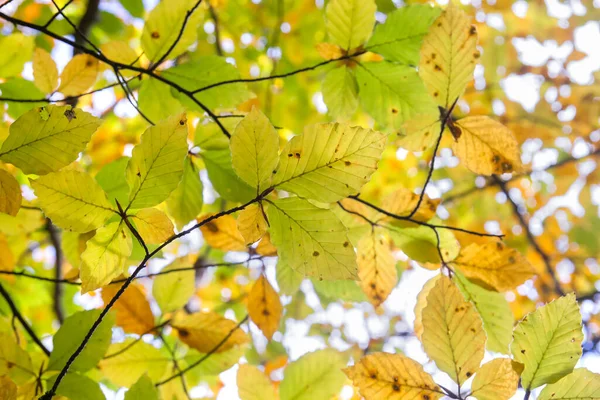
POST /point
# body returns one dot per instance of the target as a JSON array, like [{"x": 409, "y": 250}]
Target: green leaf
[
  {"x": 494, "y": 311},
  {"x": 143, "y": 389},
  {"x": 77, "y": 387},
  {"x": 134, "y": 7},
  {"x": 17, "y": 49},
  {"x": 254, "y": 150},
  {"x": 329, "y": 161},
  {"x": 185, "y": 203},
  {"x": 288, "y": 280},
  {"x": 48, "y": 138},
  {"x": 344, "y": 290},
  {"x": 163, "y": 26},
  {"x": 126, "y": 362},
  {"x": 105, "y": 256},
  {"x": 213, "y": 365},
  {"x": 112, "y": 180},
  {"x": 580, "y": 384},
  {"x": 400, "y": 37},
  {"x": 19, "y": 88},
  {"x": 71, "y": 334},
  {"x": 311, "y": 240},
  {"x": 210, "y": 137},
  {"x": 316, "y": 375},
  {"x": 156, "y": 100},
  {"x": 222, "y": 177},
  {"x": 173, "y": 290},
  {"x": 392, "y": 93},
  {"x": 350, "y": 22},
  {"x": 156, "y": 165},
  {"x": 548, "y": 342},
  {"x": 207, "y": 70},
  {"x": 420, "y": 244},
  {"x": 340, "y": 92},
  {"x": 73, "y": 200}
]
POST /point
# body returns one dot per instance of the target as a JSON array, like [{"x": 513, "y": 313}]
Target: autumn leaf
[
  {"x": 251, "y": 223},
  {"x": 382, "y": 376},
  {"x": 264, "y": 307},
  {"x": 496, "y": 380},
  {"x": 253, "y": 384},
  {"x": 580, "y": 384},
  {"x": 222, "y": 233},
  {"x": 79, "y": 75},
  {"x": 45, "y": 73},
  {"x": 153, "y": 225},
  {"x": 10, "y": 194},
  {"x": 204, "y": 331},
  {"x": 453, "y": 334},
  {"x": 133, "y": 312},
  {"x": 376, "y": 267}
]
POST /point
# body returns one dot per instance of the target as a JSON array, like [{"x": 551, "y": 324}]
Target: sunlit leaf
[
  {"x": 264, "y": 307},
  {"x": 45, "y": 73},
  {"x": 453, "y": 334},
  {"x": 172, "y": 290},
  {"x": 79, "y": 75},
  {"x": 382, "y": 376},
  {"x": 17, "y": 49},
  {"x": 14, "y": 361},
  {"x": 328, "y": 161},
  {"x": 496, "y": 380},
  {"x": 253, "y": 384},
  {"x": 223, "y": 178},
  {"x": 78, "y": 387},
  {"x": 340, "y": 92},
  {"x": 376, "y": 267},
  {"x": 486, "y": 147},
  {"x": 8, "y": 389},
  {"x": 548, "y": 342},
  {"x": 311, "y": 240},
  {"x": 204, "y": 331},
  {"x": 73, "y": 200},
  {"x": 185, "y": 202},
  {"x": 350, "y": 22},
  {"x": 105, "y": 256},
  {"x": 316, "y": 375},
  {"x": 153, "y": 225},
  {"x": 36, "y": 135},
  {"x": 156, "y": 165},
  {"x": 494, "y": 265},
  {"x": 143, "y": 389},
  {"x": 223, "y": 234},
  {"x": 580, "y": 384},
  {"x": 449, "y": 55},
  {"x": 252, "y": 224}
]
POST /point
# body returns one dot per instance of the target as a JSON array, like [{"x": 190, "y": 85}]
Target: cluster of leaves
[{"x": 322, "y": 211}]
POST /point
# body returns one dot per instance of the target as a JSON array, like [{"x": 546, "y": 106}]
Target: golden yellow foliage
[
  {"x": 208, "y": 331},
  {"x": 264, "y": 307},
  {"x": 223, "y": 234},
  {"x": 132, "y": 308}
]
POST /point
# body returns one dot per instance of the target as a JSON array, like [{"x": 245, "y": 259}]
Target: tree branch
[
  {"x": 58, "y": 261},
  {"x": 213, "y": 15},
  {"x": 22, "y": 320},
  {"x": 545, "y": 257}
]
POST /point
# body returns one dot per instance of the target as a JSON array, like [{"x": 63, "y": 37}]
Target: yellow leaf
[
  {"x": 453, "y": 334},
  {"x": 403, "y": 201},
  {"x": 105, "y": 256},
  {"x": 493, "y": 265},
  {"x": 486, "y": 147},
  {"x": 448, "y": 56},
  {"x": 496, "y": 380},
  {"x": 350, "y": 22},
  {"x": 251, "y": 223},
  {"x": 253, "y": 384},
  {"x": 265, "y": 246},
  {"x": 153, "y": 225},
  {"x": 421, "y": 303},
  {"x": 329, "y": 51},
  {"x": 376, "y": 267},
  {"x": 223, "y": 234},
  {"x": 133, "y": 310},
  {"x": 172, "y": 289},
  {"x": 45, "y": 73},
  {"x": 7, "y": 259},
  {"x": 79, "y": 75},
  {"x": 264, "y": 307},
  {"x": 10, "y": 194},
  {"x": 120, "y": 51},
  {"x": 204, "y": 331},
  {"x": 382, "y": 376},
  {"x": 8, "y": 389}
]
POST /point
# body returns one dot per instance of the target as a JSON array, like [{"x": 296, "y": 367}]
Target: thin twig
[
  {"x": 22, "y": 320},
  {"x": 137, "y": 340},
  {"x": 176, "y": 365},
  {"x": 206, "y": 356}
]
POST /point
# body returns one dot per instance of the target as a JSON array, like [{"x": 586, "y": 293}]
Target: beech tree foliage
[{"x": 278, "y": 199}]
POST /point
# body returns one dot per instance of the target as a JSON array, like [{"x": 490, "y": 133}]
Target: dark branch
[
  {"x": 213, "y": 15},
  {"x": 22, "y": 320},
  {"x": 517, "y": 213},
  {"x": 58, "y": 261}
]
